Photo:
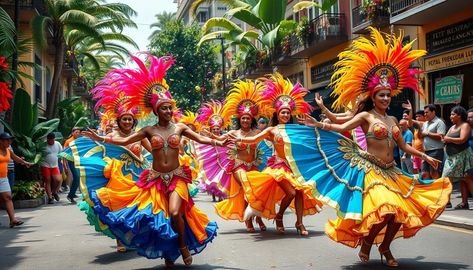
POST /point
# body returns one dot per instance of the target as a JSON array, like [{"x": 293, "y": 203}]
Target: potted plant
[
  {"x": 28, "y": 194},
  {"x": 304, "y": 31},
  {"x": 286, "y": 45},
  {"x": 374, "y": 9}
]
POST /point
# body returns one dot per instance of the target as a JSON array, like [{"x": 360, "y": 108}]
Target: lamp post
[{"x": 223, "y": 61}]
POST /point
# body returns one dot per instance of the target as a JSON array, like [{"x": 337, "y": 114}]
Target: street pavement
[{"x": 59, "y": 237}]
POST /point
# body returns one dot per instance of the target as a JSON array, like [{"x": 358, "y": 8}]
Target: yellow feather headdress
[
  {"x": 189, "y": 118},
  {"x": 243, "y": 98},
  {"x": 369, "y": 66}
]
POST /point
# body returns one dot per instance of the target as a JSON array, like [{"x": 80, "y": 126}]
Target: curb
[{"x": 456, "y": 222}]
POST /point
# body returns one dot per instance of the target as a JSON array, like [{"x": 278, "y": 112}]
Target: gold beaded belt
[{"x": 167, "y": 176}]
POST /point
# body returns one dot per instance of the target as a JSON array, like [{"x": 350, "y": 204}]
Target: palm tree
[
  {"x": 161, "y": 20},
  {"x": 89, "y": 17}
]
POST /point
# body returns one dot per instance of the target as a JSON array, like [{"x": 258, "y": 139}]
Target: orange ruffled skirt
[
  {"x": 414, "y": 205},
  {"x": 263, "y": 192}
]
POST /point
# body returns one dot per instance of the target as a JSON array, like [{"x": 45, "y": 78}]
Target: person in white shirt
[{"x": 50, "y": 170}]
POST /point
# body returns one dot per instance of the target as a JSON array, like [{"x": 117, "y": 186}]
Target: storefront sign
[
  {"x": 322, "y": 72},
  {"x": 448, "y": 90},
  {"x": 447, "y": 60},
  {"x": 450, "y": 37}
]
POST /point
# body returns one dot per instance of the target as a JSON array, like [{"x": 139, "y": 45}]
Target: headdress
[
  {"x": 146, "y": 87},
  {"x": 189, "y": 118},
  {"x": 279, "y": 93},
  {"x": 243, "y": 98},
  {"x": 111, "y": 100},
  {"x": 213, "y": 114},
  {"x": 369, "y": 66}
]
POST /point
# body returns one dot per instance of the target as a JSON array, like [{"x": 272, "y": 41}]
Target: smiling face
[
  {"x": 165, "y": 112},
  {"x": 455, "y": 118},
  {"x": 382, "y": 99},
  {"x": 245, "y": 121},
  {"x": 284, "y": 115},
  {"x": 126, "y": 122},
  {"x": 216, "y": 130}
]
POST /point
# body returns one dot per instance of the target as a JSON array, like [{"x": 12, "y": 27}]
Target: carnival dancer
[
  {"x": 187, "y": 155},
  {"x": 154, "y": 215},
  {"x": 214, "y": 176},
  {"x": 242, "y": 102},
  {"x": 375, "y": 201},
  {"x": 276, "y": 183}
]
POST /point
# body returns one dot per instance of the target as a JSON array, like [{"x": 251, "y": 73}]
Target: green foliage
[
  {"x": 194, "y": 66},
  {"x": 303, "y": 31},
  {"x": 29, "y": 135},
  {"x": 7, "y": 33},
  {"x": 27, "y": 190},
  {"x": 72, "y": 113}
]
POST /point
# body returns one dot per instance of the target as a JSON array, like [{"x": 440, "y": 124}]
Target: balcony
[
  {"x": 361, "y": 20},
  {"x": 420, "y": 12},
  {"x": 80, "y": 87},
  {"x": 35, "y": 5},
  {"x": 281, "y": 55},
  {"x": 71, "y": 66},
  {"x": 326, "y": 31}
]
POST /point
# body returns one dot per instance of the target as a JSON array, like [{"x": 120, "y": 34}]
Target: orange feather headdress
[
  {"x": 279, "y": 93},
  {"x": 369, "y": 66}
]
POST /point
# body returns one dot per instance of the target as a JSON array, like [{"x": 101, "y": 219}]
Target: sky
[{"x": 146, "y": 10}]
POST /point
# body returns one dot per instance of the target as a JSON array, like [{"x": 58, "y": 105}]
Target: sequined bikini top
[
  {"x": 136, "y": 149},
  {"x": 381, "y": 132},
  {"x": 158, "y": 142},
  {"x": 246, "y": 146}
]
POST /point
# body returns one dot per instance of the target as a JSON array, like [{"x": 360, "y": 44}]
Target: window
[
  {"x": 202, "y": 17},
  {"x": 222, "y": 8},
  {"x": 38, "y": 87},
  {"x": 48, "y": 84}
]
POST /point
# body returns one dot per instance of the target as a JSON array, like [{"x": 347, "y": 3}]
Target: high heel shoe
[
  {"x": 364, "y": 258},
  {"x": 261, "y": 225},
  {"x": 301, "y": 229},
  {"x": 187, "y": 260},
  {"x": 390, "y": 261},
  {"x": 249, "y": 226},
  {"x": 280, "y": 226}
]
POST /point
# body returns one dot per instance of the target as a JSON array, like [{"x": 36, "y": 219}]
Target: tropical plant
[
  {"x": 194, "y": 66},
  {"x": 27, "y": 190},
  {"x": 161, "y": 20},
  {"x": 28, "y": 134},
  {"x": 72, "y": 113},
  {"x": 7, "y": 33},
  {"x": 88, "y": 17},
  {"x": 304, "y": 31},
  {"x": 266, "y": 17}
]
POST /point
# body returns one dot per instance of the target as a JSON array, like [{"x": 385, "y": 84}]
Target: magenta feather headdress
[{"x": 213, "y": 114}]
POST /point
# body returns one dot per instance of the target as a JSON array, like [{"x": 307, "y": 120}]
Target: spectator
[
  {"x": 11, "y": 170},
  {"x": 405, "y": 114},
  {"x": 418, "y": 141},
  {"x": 459, "y": 162},
  {"x": 433, "y": 131},
  {"x": 262, "y": 123},
  {"x": 50, "y": 168},
  {"x": 5, "y": 190},
  {"x": 406, "y": 162},
  {"x": 69, "y": 167}
]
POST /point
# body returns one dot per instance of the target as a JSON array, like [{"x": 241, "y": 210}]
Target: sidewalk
[{"x": 456, "y": 218}]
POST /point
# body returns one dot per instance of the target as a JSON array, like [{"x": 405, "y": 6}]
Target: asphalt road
[{"x": 59, "y": 237}]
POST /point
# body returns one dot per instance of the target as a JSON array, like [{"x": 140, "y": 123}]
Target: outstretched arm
[
  {"x": 138, "y": 136},
  {"x": 357, "y": 120},
  {"x": 253, "y": 139},
  {"x": 201, "y": 139},
  {"x": 19, "y": 160}
]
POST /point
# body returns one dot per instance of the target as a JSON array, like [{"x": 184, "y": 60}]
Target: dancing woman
[
  {"x": 242, "y": 102},
  {"x": 376, "y": 202},
  {"x": 276, "y": 183},
  {"x": 214, "y": 175},
  {"x": 156, "y": 214}
]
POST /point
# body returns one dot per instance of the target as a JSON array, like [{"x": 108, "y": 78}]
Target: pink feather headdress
[{"x": 213, "y": 114}]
